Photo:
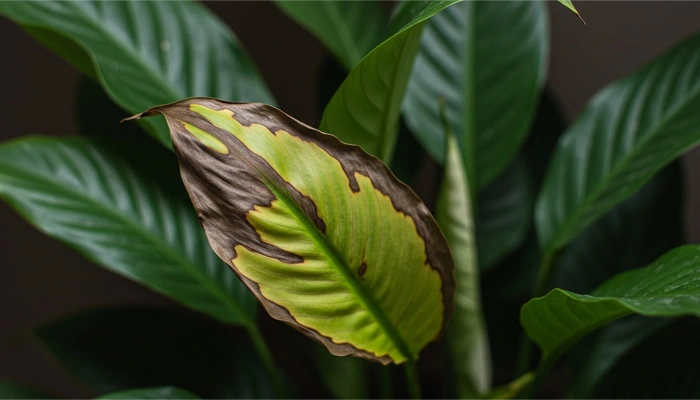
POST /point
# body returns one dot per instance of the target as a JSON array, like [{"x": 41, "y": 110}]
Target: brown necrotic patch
[{"x": 361, "y": 270}]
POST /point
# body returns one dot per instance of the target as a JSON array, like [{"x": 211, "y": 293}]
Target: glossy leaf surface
[
  {"x": 666, "y": 288},
  {"x": 488, "y": 61},
  {"x": 121, "y": 348},
  {"x": 92, "y": 200},
  {"x": 145, "y": 53},
  {"x": 504, "y": 217},
  {"x": 322, "y": 233},
  {"x": 466, "y": 335},
  {"x": 629, "y": 132},
  {"x": 365, "y": 109},
  {"x": 349, "y": 29},
  {"x": 156, "y": 393}
]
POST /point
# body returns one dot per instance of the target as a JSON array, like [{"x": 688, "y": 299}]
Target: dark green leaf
[
  {"x": 14, "y": 390},
  {"x": 122, "y": 348},
  {"x": 666, "y": 288},
  {"x": 629, "y": 132},
  {"x": 365, "y": 109},
  {"x": 167, "y": 392},
  {"x": 146, "y": 52},
  {"x": 294, "y": 212},
  {"x": 349, "y": 29},
  {"x": 466, "y": 335},
  {"x": 504, "y": 215},
  {"x": 345, "y": 377},
  {"x": 488, "y": 61},
  {"x": 95, "y": 202}
]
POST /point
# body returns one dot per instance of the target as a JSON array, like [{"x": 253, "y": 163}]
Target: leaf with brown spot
[{"x": 322, "y": 233}]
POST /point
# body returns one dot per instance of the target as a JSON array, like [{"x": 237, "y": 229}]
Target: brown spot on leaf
[{"x": 361, "y": 271}]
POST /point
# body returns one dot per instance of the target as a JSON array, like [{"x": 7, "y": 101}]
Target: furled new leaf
[
  {"x": 91, "y": 199},
  {"x": 487, "y": 60},
  {"x": 155, "y": 393},
  {"x": 466, "y": 336},
  {"x": 668, "y": 287},
  {"x": 322, "y": 233},
  {"x": 365, "y": 109},
  {"x": 349, "y": 29},
  {"x": 629, "y": 132},
  {"x": 145, "y": 52}
]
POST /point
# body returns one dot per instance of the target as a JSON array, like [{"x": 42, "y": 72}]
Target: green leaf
[
  {"x": 146, "y": 53},
  {"x": 466, "y": 335},
  {"x": 661, "y": 366},
  {"x": 365, "y": 109},
  {"x": 606, "y": 349},
  {"x": 167, "y": 392},
  {"x": 323, "y": 234},
  {"x": 665, "y": 288},
  {"x": 570, "y": 5},
  {"x": 120, "y": 348},
  {"x": 13, "y": 390},
  {"x": 92, "y": 200},
  {"x": 345, "y": 377},
  {"x": 488, "y": 61},
  {"x": 504, "y": 215},
  {"x": 349, "y": 29},
  {"x": 629, "y": 131}
]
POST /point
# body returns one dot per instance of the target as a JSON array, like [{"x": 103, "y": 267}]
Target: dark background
[{"x": 41, "y": 279}]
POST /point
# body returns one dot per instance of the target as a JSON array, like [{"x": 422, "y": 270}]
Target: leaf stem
[
  {"x": 412, "y": 380},
  {"x": 266, "y": 356},
  {"x": 544, "y": 274}
]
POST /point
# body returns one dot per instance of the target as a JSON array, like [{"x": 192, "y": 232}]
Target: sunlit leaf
[{"x": 322, "y": 233}]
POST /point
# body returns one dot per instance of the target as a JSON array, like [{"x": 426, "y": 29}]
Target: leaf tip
[{"x": 132, "y": 118}]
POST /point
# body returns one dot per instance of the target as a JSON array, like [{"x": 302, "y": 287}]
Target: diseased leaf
[
  {"x": 629, "y": 132},
  {"x": 92, "y": 200},
  {"x": 365, "y": 109},
  {"x": 349, "y": 29},
  {"x": 121, "y": 348},
  {"x": 666, "y": 288},
  {"x": 145, "y": 52},
  {"x": 487, "y": 60},
  {"x": 323, "y": 234},
  {"x": 466, "y": 335},
  {"x": 155, "y": 393}
]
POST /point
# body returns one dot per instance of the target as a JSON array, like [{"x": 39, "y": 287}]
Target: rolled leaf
[
  {"x": 145, "y": 53},
  {"x": 87, "y": 197},
  {"x": 154, "y": 393},
  {"x": 365, "y": 109},
  {"x": 322, "y": 233},
  {"x": 629, "y": 132},
  {"x": 466, "y": 335},
  {"x": 667, "y": 287},
  {"x": 488, "y": 61},
  {"x": 349, "y": 29}
]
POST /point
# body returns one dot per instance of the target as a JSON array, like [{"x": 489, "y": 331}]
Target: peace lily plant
[{"x": 574, "y": 232}]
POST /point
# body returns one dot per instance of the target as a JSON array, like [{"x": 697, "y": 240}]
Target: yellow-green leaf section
[{"x": 322, "y": 233}]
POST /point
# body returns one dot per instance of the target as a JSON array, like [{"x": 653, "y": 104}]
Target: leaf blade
[
  {"x": 291, "y": 212},
  {"x": 148, "y": 53},
  {"x": 629, "y": 131},
  {"x": 165, "y": 392},
  {"x": 349, "y": 29},
  {"x": 482, "y": 58},
  {"x": 81, "y": 194},
  {"x": 560, "y": 318}
]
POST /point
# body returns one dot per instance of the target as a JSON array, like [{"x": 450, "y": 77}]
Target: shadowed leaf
[
  {"x": 156, "y": 393},
  {"x": 322, "y": 233}
]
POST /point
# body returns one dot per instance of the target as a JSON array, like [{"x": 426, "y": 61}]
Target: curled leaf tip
[
  {"x": 581, "y": 18},
  {"x": 132, "y": 118}
]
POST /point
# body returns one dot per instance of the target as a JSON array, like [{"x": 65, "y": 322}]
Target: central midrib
[{"x": 345, "y": 270}]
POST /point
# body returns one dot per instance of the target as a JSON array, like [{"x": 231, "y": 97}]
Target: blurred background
[{"x": 41, "y": 279}]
